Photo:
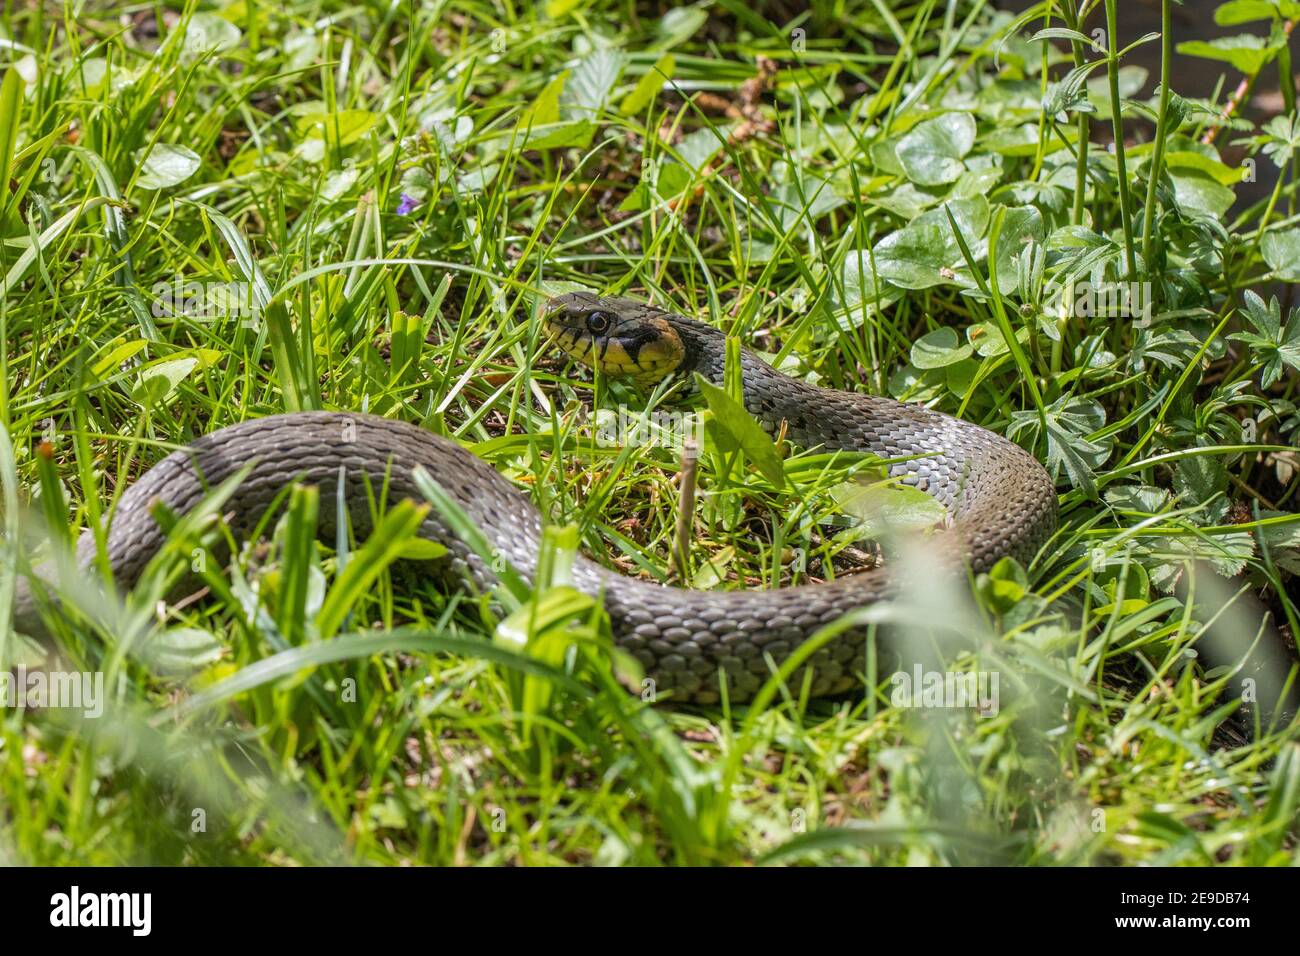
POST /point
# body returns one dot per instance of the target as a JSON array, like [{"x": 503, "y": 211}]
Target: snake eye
[{"x": 598, "y": 323}]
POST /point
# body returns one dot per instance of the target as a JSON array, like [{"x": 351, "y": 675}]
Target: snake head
[{"x": 621, "y": 337}]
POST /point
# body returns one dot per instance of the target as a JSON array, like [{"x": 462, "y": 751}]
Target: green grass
[{"x": 398, "y": 186}]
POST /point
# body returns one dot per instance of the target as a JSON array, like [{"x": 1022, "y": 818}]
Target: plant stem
[
  {"x": 1117, "y": 121},
  {"x": 1162, "y": 120},
  {"x": 685, "y": 513},
  {"x": 1085, "y": 131}
]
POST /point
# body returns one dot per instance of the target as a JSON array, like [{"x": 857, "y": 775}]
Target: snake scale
[{"x": 1000, "y": 499}]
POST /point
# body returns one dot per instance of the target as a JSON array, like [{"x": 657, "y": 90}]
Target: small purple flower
[{"x": 407, "y": 205}]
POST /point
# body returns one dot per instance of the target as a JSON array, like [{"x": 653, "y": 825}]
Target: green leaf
[
  {"x": 931, "y": 153},
  {"x": 1012, "y": 141},
  {"x": 1244, "y": 11},
  {"x": 1247, "y": 53},
  {"x": 11, "y": 105},
  {"x": 384, "y": 546},
  {"x": 1187, "y": 159},
  {"x": 210, "y": 33},
  {"x": 589, "y": 85},
  {"x": 1199, "y": 478},
  {"x": 1020, "y": 226},
  {"x": 926, "y": 253},
  {"x": 546, "y": 108},
  {"x": 158, "y": 381},
  {"x": 743, "y": 430},
  {"x": 915, "y": 256},
  {"x": 648, "y": 87},
  {"x": 167, "y": 165},
  {"x": 562, "y": 135},
  {"x": 1062, "y": 33},
  {"x": 1004, "y": 585},
  {"x": 1069, "y": 422},
  {"x": 939, "y": 348},
  {"x": 887, "y": 509},
  {"x": 1266, "y": 317},
  {"x": 1199, "y": 195},
  {"x": 1281, "y": 250},
  {"x": 697, "y": 149},
  {"x": 181, "y": 650},
  {"x": 679, "y": 24}
]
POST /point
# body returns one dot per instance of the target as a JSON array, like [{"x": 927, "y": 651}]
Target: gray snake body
[{"x": 1001, "y": 500}]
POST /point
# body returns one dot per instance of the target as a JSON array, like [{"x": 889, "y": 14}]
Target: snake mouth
[{"x": 619, "y": 337}]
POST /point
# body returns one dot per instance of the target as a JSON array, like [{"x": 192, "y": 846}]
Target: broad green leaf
[
  {"x": 931, "y": 154},
  {"x": 1198, "y": 194},
  {"x": 915, "y": 256},
  {"x": 886, "y": 509},
  {"x": 1199, "y": 478},
  {"x": 341, "y": 128},
  {"x": 158, "y": 381},
  {"x": 1012, "y": 141},
  {"x": 1186, "y": 159},
  {"x": 925, "y": 253},
  {"x": 939, "y": 348},
  {"x": 167, "y": 165},
  {"x": 679, "y": 24},
  {"x": 210, "y": 33}
]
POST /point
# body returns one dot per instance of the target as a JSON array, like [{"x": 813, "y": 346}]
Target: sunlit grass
[{"x": 395, "y": 189}]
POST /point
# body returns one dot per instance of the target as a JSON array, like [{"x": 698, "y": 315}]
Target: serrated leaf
[
  {"x": 1199, "y": 478},
  {"x": 1281, "y": 250},
  {"x": 590, "y": 83}
]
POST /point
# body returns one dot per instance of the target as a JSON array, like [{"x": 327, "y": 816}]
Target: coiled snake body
[{"x": 1001, "y": 500}]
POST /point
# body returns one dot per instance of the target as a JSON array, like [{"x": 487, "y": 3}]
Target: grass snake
[{"x": 1000, "y": 500}]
